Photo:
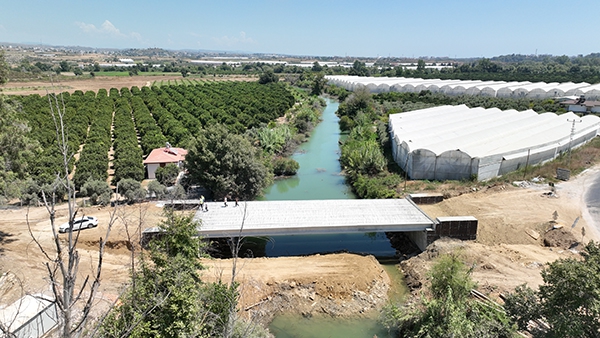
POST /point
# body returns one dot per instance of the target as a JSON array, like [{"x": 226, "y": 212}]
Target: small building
[
  {"x": 160, "y": 157},
  {"x": 581, "y": 105}
]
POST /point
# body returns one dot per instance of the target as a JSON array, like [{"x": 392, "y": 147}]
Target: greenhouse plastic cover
[
  {"x": 457, "y": 142},
  {"x": 524, "y": 89}
]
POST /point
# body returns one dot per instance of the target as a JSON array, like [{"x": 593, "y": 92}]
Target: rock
[
  {"x": 488, "y": 266},
  {"x": 533, "y": 234}
]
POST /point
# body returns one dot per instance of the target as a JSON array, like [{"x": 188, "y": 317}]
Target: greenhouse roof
[
  {"x": 493, "y": 88},
  {"x": 481, "y": 132}
]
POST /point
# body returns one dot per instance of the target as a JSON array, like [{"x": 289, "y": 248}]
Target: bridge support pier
[{"x": 419, "y": 238}]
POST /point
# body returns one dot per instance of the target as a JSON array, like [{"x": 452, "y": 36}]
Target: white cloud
[
  {"x": 232, "y": 41},
  {"x": 107, "y": 29}
]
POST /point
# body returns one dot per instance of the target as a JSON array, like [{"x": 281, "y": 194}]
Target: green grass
[
  {"x": 112, "y": 73},
  {"x": 15, "y": 89},
  {"x": 126, "y": 73}
]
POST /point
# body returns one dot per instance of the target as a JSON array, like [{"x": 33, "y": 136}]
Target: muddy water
[{"x": 319, "y": 177}]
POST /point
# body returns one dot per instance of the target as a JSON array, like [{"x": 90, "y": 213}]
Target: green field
[
  {"x": 49, "y": 87},
  {"x": 126, "y": 73}
]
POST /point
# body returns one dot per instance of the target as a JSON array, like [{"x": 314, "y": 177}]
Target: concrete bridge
[{"x": 275, "y": 218}]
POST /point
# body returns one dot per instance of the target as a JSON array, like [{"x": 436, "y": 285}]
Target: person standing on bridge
[
  {"x": 225, "y": 200},
  {"x": 201, "y": 202}
]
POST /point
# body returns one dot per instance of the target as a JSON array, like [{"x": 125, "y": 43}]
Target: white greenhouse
[
  {"x": 523, "y": 89},
  {"x": 457, "y": 142}
]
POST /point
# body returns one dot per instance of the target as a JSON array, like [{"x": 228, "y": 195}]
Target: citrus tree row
[
  {"x": 78, "y": 112},
  {"x": 128, "y": 157},
  {"x": 93, "y": 159},
  {"x": 141, "y": 120}
]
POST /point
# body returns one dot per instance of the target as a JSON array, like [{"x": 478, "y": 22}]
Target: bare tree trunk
[
  {"x": 235, "y": 247},
  {"x": 63, "y": 264}
]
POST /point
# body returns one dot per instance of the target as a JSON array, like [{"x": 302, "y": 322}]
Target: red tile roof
[{"x": 166, "y": 155}]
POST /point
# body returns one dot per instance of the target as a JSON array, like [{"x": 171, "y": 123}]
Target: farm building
[
  {"x": 160, "y": 157},
  {"x": 457, "y": 142},
  {"x": 525, "y": 89}
]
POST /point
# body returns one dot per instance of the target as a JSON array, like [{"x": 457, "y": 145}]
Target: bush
[
  {"x": 157, "y": 189},
  {"x": 346, "y": 123},
  {"x": 381, "y": 186},
  {"x": 30, "y": 192},
  {"x": 449, "y": 312},
  {"x": 362, "y": 157},
  {"x": 175, "y": 192},
  {"x": 285, "y": 166},
  {"x": 131, "y": 189},
  {"x": 98, "y": 191},
  {"x": 167, "y": 175}
]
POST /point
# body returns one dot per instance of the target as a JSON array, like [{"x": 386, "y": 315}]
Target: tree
[
  {"x": 3, "y": 68},
  {"x": 77, "y": 71},
  {"x": 569, "y": 299},
  {"x": 449, "y": 312},
  {"x": 268, "y": 77},
  {"x": 167, "y": 297},
  {"x": 420, "y": 65},
  {"x": 317, "y": 67},
  {"x": 18, "y": 148},
  {"x": 360, "y": 100},
  {"x": 131, "y": 189},
  {"x": 167, "y": 175},
  {"x": 156, "y": 189},
  {"x": 285, "y": 166},
  {"x": 359, "y": 69},
  {"x": 98, "y": 191},
  {"x": 64, "y": 66},
  {"x": 226, "y": 163},
  {"x": 318, "y": 84},
  {"x": 346, "y": 123}
]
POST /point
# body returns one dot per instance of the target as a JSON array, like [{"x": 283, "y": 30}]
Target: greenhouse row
[
  {"x": 526, "y": 89},
  {"x": 457, "y": 142}
]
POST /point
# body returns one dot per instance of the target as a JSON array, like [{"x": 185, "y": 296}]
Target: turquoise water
[{"x": 319, "y": 177}]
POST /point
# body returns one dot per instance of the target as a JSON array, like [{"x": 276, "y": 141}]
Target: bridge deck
[{"x": 271, "y": 218}]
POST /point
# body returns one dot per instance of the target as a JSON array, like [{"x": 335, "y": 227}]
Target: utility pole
[{"x": 571, "y": 138}]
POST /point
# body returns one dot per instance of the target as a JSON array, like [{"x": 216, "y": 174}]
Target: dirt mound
[
  {"x": 497, "y": 269},
  {"x": 415, "y": 269},
  {"x": 336, "y": 284},
  {"x": 560, "y": 238},
  {"x": 115, "y": 247}
]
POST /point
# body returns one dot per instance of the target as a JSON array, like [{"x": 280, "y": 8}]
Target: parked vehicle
[{"x": 84, "y": 222}]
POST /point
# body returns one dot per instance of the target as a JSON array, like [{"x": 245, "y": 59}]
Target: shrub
[
  {"x": 131, "y": 189},
  {"x": 285, "y": 166},
  {"x": 98, "y": 191},
  {"x": 167, "y": 175},
  {"x": 157, "y": 189}
]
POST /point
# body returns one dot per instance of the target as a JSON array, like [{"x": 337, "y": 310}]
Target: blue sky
[{"x": 481, "y": 28}]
